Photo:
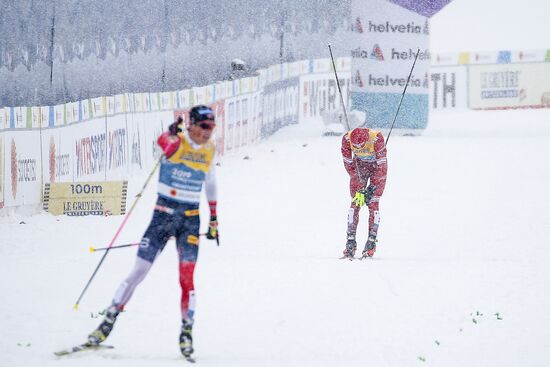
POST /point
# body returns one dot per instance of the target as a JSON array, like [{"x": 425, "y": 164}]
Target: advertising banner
[
  {"x": 448, "y": 87},
  {"x": 85, "y": 110},
  {"x": 47, "y": 115},
  {"x": 72, "y": 112},
  {"x": 89, "y": 149},
  {"x": 57, "y": 153},
  {"x": 120, "y": 103},
  {"x": 19, "y": 121},
  {"x": 4, "y": 122},
  {"x": 274, "y": 73},
  {"x": 155, "y": 101},
  {"x": 146, "y": 98},
  {"x": 509, "y": 86},
  {"x": 279, "y": 105},
  {"x": 386, "y": 38},
  {"x": 529, "y": 56},
  {"x": 110, "y": 105},
  {"x": 166, "y": 101},
  {"x": 35, "y": 116},
  {"x": 98, "y": 107},
  {"x": 220, "y": 90},
  {"x": 318, "y": 94},
  {"x": 241, "y": 128},
  {"x": 117, "y": 159},
  {"x": 22, "y": 167},
  {"x": 86, "y": 198}
]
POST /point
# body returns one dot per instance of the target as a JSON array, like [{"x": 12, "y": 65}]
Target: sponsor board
[
  {"x": 56, "y": 158},
  {"x": 278, "y": 106},
  {"x": 509, "y": 86},
  {"x": 85, "y": 198},
  {"x": 22, "y": 167},
  {"x": 385, "y": 41},
  {"x": 47, "y": 118},
  {"x": 4, "y": 121},
  {"x": 448, "y": 87},
  {"x": 18, "y": 116},
  {"x": 100, "y": 153},
  {"x": 110, "y": 105},
  {"x": 72, "y": 111},
  {"x": 319, "y": 94},
  {"x": 528, "y": 56},
  {"x": 485, "y": 57}
]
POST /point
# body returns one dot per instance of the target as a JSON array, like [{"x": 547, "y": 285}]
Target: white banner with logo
[
  {"x": 57, "y": 155},
  {"x": 386, "y": 38},
  {"x": 319, "y": 94},
  {"x": 502, "y": 86},
  {"x": 448, "y": 87},
  {"x": 22, "y": 167},
  {"x": 242, "y": 124}
]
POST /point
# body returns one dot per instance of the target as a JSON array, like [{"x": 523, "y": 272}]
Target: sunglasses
[{"x": 206, "y": 125}]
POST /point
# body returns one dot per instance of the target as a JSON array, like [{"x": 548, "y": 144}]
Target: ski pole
[
  {"x": 339, "y": 90},
  {"x": 93, "y": 249},
  {"x": 402, "y": 95},
  {"x": 138, "y": 196}
]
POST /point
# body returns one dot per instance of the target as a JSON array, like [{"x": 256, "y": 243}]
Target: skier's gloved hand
[
  {"x": 213, "y": 229},
  {"x": 175, "y": 127},
  {"x": 364, "y": 195},
  {"x": 368, "y": 192}
]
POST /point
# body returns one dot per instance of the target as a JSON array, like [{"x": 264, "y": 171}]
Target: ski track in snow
[{"x": 464, "y": 235}]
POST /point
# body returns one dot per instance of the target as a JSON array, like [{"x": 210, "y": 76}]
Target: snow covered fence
[{"x": 114, "y": 137}]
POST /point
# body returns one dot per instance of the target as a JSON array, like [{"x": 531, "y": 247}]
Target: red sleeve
[
  {"x": 169, "y": 143},
  {"x": 347, "y": 156}
]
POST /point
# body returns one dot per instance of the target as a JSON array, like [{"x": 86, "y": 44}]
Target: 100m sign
[
  {"x": 86, "y": 198},
  {"x": 86, "y": 189}
]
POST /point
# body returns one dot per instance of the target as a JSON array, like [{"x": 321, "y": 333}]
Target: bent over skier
[
  {"x": 187, "y": 164},
  {"x": 364, "y": 155}
]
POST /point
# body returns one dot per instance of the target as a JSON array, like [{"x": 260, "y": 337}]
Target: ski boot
[
  {"x": 351, "y": 245},
  {"x": 370, "y": 247},
  {"x": 104, "y": 329},
  {"x": 186, "y": 339}
]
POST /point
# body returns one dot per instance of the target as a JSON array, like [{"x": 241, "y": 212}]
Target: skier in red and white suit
[{"x": 364, "y": 155}]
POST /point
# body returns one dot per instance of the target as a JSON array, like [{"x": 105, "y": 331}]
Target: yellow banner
[{"x": 85, "y": 198}]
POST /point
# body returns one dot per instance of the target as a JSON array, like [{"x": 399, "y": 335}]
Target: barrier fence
[{"x": 114, "y": 137}]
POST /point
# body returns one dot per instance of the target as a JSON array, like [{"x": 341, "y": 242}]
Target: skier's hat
[
  {"x": 359, "y": 137},
  {"x": 200, "y": 113}
]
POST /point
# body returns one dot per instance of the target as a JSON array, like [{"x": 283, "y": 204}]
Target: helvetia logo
[
  {"x": 376, "y": 53},
  {"x": 357, "y": 26},
  {"x": 358, "y": 80},
  {"x": 426, "y": 29},
  {"x": 388, "y": 27},
  {"x": 13, "y": 169}
]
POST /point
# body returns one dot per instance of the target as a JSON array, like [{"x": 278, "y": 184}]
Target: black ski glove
[
  {"x": 175, "y": 127},
  {"x": 213, "y": 229},
  {"x": 368, "y": 192}
]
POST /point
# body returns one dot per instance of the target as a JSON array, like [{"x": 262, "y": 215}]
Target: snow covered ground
[{"x": 460, "y": 278}]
